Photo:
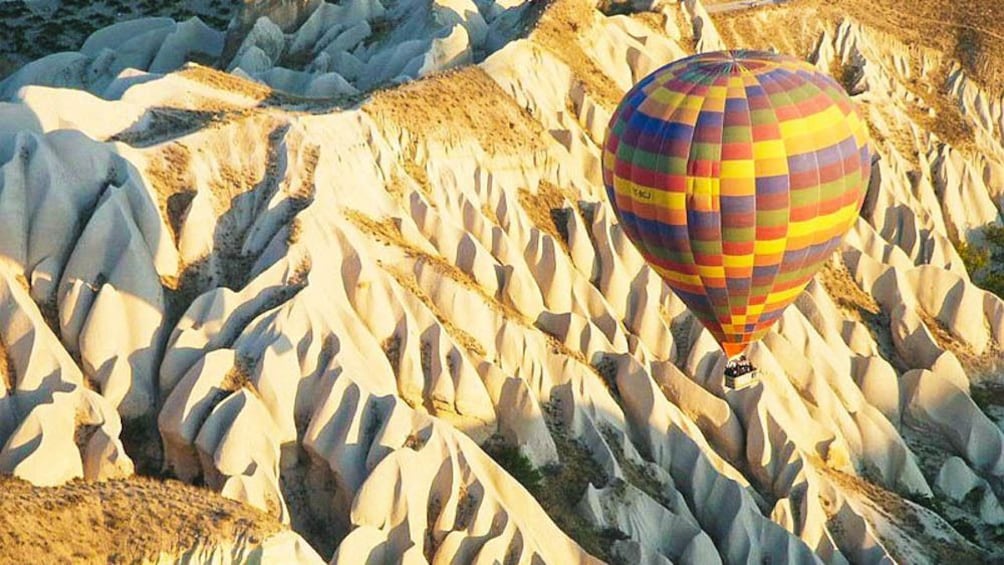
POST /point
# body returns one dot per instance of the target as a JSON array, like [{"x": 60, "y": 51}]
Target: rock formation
[{"x": 367, "y": 281}]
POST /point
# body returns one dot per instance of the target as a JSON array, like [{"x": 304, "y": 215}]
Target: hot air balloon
[{"x": 736, "y": 175}]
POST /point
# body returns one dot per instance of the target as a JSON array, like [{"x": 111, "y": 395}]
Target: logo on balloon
[{"x": 642, "y": 194}]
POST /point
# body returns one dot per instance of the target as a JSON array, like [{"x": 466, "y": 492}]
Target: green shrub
[
  {"x": 517, "y": 465},
  {"x": 985, "y": 263},
  {"x": 974, "y": 258}
]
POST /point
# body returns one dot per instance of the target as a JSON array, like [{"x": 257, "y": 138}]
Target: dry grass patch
[
  {"x": 165, "y": 122},
  {"x": 295, "y": 231},
  {"x": 239, "y": 376},
  {"x": 447, "y": 105},
  {"x": 206, "y": 111},
  {"x": 966, "y": 29},
  {"x": 170, "y": 177},
  {"x": 226, "y": 82},
  {"x": 686, "y": 27},
  {"x": 793, "y": 27},
  {"x": 948, "y": 122},
  {"x": 560, "y": 30},
  {"x": 948, "y": 342},
  {"x": 169, "y": 172},
  {"x": 464, "y": 339},
  {"x": 421, "y": 178},
  {"x": 242, "y": 175},
  {"x": 389, "y": 232},
  {"x": 901, "y": 139},
  {"x": 844, "y": 290},
  {"x": 546, "y": 209},
  {"x": 8, "y": 377},
  {"x": 396, "y": 187},
  {"x": 858, "y": 305},
  {"x": 385, "y": 230},
  {"x": 182, "y": 289},
  {"x": 913, "y": 519},
  {"x": 126, "y": 521},
  {"x": 654, "y": 20},
  {"x": 265, "y": 96},
  {"x": 796, "y": 26},
  {"x": 302, "y": 193}
]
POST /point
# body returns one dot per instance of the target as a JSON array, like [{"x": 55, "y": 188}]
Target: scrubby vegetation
[
  {"x": 985, "y": 263},
  {"x": 28, "y": 35},
  {"x": 559, "y": 488},
  {"x": 516, "y": 464}
]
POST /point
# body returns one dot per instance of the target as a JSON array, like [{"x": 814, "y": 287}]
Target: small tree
[
  {"x": 516, "y": 464},
  {"x": 985, "y": 263}
]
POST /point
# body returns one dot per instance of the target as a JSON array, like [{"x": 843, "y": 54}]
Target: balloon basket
[
  {"x": 740, "y": 374},
  {"x": 740, "y": 382}
]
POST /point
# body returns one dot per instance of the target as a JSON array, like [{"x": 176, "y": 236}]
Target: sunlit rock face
[{"x": 399, "y": 315}]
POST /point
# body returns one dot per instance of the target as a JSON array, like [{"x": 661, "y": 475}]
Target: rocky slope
[
  {"x": 137, "y": 520},
  {"x": 401, "y": 319}
]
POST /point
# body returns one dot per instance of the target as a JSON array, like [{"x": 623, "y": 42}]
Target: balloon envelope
[{"x": 736, "y": 174}]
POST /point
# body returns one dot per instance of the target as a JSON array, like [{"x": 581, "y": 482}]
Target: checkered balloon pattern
[{"x": 736, "y": 174}]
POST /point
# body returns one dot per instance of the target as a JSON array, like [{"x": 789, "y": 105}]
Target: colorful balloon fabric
[{"x": 736, "y": 174}]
